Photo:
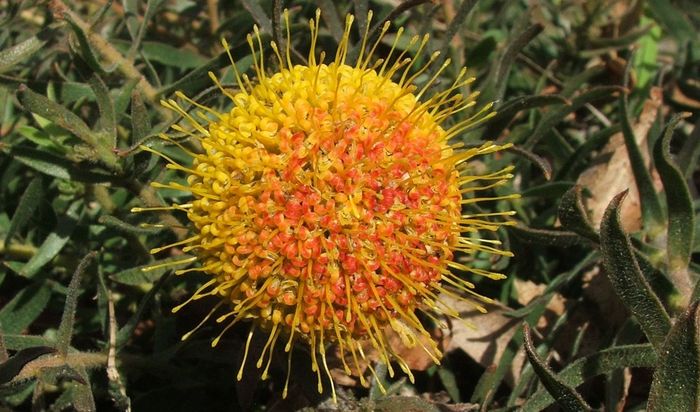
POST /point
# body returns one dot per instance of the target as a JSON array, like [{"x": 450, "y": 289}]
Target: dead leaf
[{"x": 605, "y": 180}]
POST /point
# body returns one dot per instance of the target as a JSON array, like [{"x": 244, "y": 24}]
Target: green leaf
[
  {"x": 627, "y": 278},
  {"x": 557, "y": 114},
  {"x": 258, "y": 13},
  {"x": 54, "y": 242},
  {"x": 140, "y": 122},
  {"x": 124, "y": 227},
  {"x": 86, "y": 52},
  {"x": 506, "y": 112},
  {"x": 107, "y": 124},
  {"x": 603, "y": 362},
  {"x": 24, "y": 308},
  {"x": 566, "y": 396},
  {"x": 143, "y": 274},
  {"x": 645, "y": 59},
  {"x": 538, "y": 161},
  {"x": 128, "y": 329},
  {"x": 681, "y": 216},
  {"x": 498, "y": 78},
  {"x": 65, "y": 330},
  {"x": 574, "y": 216},
  {"x": 652, "y": 213},
  {"x": 67, "y": 120},
  {"x": 11, "y": 368},
  {"x": 28, "y": 203},
  {"x": 676, "y": 384},
  {"x": 172, "y": 56},
  {"x": 24, "y": 50},
  {"x": 548, "y": 237},
  {"x": 56, "y": 166},
  {"x": 672, "y": 20}
]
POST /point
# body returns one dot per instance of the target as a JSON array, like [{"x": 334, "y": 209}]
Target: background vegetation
[{"x": 598, "y": 96}]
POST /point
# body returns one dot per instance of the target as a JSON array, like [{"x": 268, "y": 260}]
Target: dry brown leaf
[{"x": 605, "y": 180}]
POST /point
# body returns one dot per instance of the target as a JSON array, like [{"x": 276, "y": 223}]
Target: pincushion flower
[{"x": 327, "y": 203}]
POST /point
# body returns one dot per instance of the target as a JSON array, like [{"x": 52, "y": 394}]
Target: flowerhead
[{"x": 327, "y": 203}]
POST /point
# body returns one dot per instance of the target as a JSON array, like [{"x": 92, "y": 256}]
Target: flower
[{"x": 327, "y": 203}]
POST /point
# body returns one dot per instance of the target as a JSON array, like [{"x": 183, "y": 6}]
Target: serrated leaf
[
  {"x": 23, "y": 309},
  {"x": 574, "y": 216},
  {"x": 681, "y": 216},
  {"x": 65, "y": 330},
  {"x": 28, "y": 203},
  {"x": 627, "y": 278},
  {"x": 137, "y": 275},
  {"x": 676, "y": 384},
  {"x": 11, "y": 368},
  {"x": 24, "y": 50},
  {"x": 566, "y": 396},
  {"x": 603, "y": 362},
  {"x": 54, "y": 242}
]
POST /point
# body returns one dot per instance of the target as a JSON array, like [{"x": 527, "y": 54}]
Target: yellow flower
[{"x": 327, "y": 203}]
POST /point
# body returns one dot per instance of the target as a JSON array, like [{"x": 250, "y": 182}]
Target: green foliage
[{"x": 596, "y": 99}]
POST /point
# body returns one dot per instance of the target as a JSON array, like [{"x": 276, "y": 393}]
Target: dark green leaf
[
  {"x": 556, "y": 115},
  {"x": 652, "y": 213},
  {"x": 128, "y": 329},
  {"x": 122, "y": 226},
  {"x": 548, "y": 237},
  {"x": 107, "y": 124},
  {"x": 140, "y": 122},
  {"x": 65, "y": 330},
  {"x": 498, "y": 78},
  {"x": 507, "y": 111},
  {"x": 627, "y": 278},
  {"x": 574, "y": 216},
  {"x": 676, "y": 385},
  {"x": 23, "y": 309},
  {"x": 681, "y": 216},
  {"x": 84, "y": 45},
  {"x": 10, "y": 368},
  {"x": 672, "y": 19},
  {"x": 143, "y": 274},
  {"x": 567, "y": 397},
  {"x": 538, "y": 161},
  {"x": 28, "y": 203}
]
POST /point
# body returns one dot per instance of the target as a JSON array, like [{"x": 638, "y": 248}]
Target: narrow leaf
[
  {"x": 676, "y": 384},
  {"x": 24, "y": 308},
  {"x": 508, "y": 110},
  {"x": 557, "y": 114},
  {"x": 28, "y": 203},
  {"x": 548, "y": 237},
  {"x": 65, "y": 330},
  {"x": 627, "y": 278},
  {"x": 140, "y": 122},
  {"x": 53, "y": 243},
  {"x": 652, "y": 213},
  {"x": 24, "y": 50},
  {"x": 672, "y": 19},
  {"x": 54, "y": 112},
  {"x": 56, "y": 166},
  {"x": 11, "y": 368},
  {"x": 681, "y": 217},
  {"x": 143, "y": 274},
  {"x": 542, "y": 163},
  {"x": 574, "y": 216},
  {"x": 258, "y": 13},
  {"x": 566, "y": 396},
  {"x": 108, "y": 120},
  {"x": 603, "y": 362}
]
